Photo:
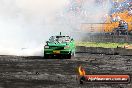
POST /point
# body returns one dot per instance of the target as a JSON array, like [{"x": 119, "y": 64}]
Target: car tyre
[
  {"x": 68, "y": 56},
  {"x": 45, "y": 56}
]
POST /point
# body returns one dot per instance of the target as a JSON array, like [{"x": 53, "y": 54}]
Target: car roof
[{"x": 60, "y": 36}]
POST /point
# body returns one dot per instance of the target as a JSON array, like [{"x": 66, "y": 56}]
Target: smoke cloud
[{"x": 25, "y": 25}]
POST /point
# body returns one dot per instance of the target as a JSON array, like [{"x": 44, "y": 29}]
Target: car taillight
[
  {"x": 66, "y": 47},
  {"x": 47, "y": 47}
]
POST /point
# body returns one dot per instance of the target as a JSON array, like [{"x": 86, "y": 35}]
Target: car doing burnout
[{"x": 62, "y": 46}]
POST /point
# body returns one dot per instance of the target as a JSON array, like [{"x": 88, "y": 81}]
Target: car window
[{"x": 59, "y": 39}]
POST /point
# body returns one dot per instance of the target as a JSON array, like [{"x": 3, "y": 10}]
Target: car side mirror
[
  {"x": 72, "y": 39},
  {"x": 47, "y": 42}
]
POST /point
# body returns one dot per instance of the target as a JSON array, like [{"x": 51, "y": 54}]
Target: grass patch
[{"x": 104, "y": 45}]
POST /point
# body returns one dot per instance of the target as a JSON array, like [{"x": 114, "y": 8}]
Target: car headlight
[
  {"x": 47, "y": 47},
  {"x": 66, "y": 47}
]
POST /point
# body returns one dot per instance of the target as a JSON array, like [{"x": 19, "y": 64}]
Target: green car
[{"x": 61, "y": 46}]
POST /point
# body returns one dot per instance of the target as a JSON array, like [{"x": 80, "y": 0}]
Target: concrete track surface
[{"x": 36, "y": 72}]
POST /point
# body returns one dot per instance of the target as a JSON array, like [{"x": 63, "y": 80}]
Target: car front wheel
[
  {"x": 68, "y": 56},
  {"x": 47, "y": 56}
]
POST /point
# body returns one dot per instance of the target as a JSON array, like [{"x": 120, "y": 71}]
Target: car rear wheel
[{"x": 73, "y": 54}]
